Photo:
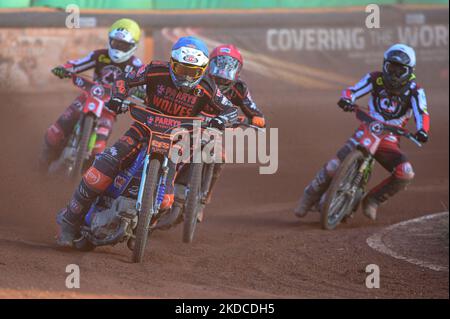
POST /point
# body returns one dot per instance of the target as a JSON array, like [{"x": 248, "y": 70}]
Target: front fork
[
  {"x": 77, "y": 136},
  {"x": 361, "y": 180},
  {"x": 161, "y": 189}
]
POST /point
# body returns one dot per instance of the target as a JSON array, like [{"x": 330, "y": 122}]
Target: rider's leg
[
  {"x": 218, "y": 167},
  {"x": 57, "y": 133},
  {"x": 314, "y": 191},
  {"x": 94, "y": 182},
  {"x": 104, "y": 129},
  {"x": 169, "y": 196},
  {"x": 215, "y": 177},
  {"x": 394, "y": 160}
]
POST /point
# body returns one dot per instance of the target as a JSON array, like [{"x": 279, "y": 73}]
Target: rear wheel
[
  {"x": 148, "y": 199},
  {"x": 193, "y": 202},
  {"x": 88, "y": 125},
  {"x": 340, "y": 197}
]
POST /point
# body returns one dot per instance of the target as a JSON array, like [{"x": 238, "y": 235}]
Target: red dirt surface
[{"x": 250, "y": 245}]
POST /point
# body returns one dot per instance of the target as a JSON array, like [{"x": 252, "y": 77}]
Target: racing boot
[
  {"x": 314, "y": 191},
  {"x": 52, "y": 146},
  {"x": 70, "y": 218},
  {"x": 46, "y": 157},
  {"x": 370, "y": 207},
  {"x": 69, "y": 228},
  {"x": 309, "y": 199},
  {"x": 381, "y": 193}
]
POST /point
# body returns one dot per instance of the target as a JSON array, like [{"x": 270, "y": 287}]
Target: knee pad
[
  {"x": 332, "y": 166},
  {"x": 404, "y": 171},
  {"x": 54, "y": 135},
  {"x": 345, "y": 150},
  {"x": 107, "y": 163},
  {"x": 96, "y": 180}
]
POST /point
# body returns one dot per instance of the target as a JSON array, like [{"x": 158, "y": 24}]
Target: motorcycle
[
  {"x": 187, "y": 209},
  {"x": 132, "y": 203},
  {"x": 347, "y": 188},
  {"x": 82, "y": 140}
]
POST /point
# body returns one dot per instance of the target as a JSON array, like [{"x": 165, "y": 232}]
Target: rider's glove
[
  {"x": 421, "y": 136},
  {"x": 258, "y": 121},
  {"x": 346, "y": 104},
  {"x": 140, "y": 93},
  {"x": 217, "y": 123},
  {"x": 61, "y": 72},
  {"x": 117, "y": 106}
]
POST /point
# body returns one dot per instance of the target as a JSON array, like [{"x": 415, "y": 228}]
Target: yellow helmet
[{"x": 124, "y": 36}]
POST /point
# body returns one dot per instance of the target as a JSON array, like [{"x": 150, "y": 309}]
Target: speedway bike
[
  {"x": 132, "y": 203},
  {"x": 187, "y": 209},
  {"x": 347, "y": 188},
  {"x": 81, "y": 141}
]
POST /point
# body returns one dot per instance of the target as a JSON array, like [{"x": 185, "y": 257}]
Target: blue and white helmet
[{"x": 188, "y": 62}]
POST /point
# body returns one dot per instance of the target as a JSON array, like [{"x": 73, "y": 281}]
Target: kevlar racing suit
[{"x": 105, "y": 72}]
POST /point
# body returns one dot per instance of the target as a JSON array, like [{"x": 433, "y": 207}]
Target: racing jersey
[
  {"x": 391, "y": 109},
  {"x": 240, "y": 96},
  {"x": 163, "y": 95},
  {"x": 106, "y": 71}
]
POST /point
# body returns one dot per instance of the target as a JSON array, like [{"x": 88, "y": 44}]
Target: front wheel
[
  {"x": 88, "y": 125},
  {"x": 340, "y": 197},
  {"x": 192, "y": 202},
  {"x": 148, "y": 199}
]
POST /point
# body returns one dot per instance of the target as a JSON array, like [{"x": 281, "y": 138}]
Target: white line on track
[{"x": 376, "y": 242}]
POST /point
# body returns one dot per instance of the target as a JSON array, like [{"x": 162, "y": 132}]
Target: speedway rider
[
  {"x": 394, "y": 98},
  {"x": 180, "y": 87},
  {"x": 225, "y": 68},
  {"x": 108, "y": 64}
]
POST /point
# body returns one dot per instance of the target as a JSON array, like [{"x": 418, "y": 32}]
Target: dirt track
[{"x": 250, "y": 244}]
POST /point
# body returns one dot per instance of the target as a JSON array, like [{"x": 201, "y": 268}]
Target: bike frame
[
  {"x": 96, "y": 95},
  {"x": 160, "y": 142},
  {"x": 368, "y": 138}
]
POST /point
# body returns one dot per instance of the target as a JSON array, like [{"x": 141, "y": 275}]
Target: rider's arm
[
  {"x": 420, "y": 110},
  {"x": 124, "y": 83},
  {"x": 360, "y": 89},
  {"x": 83, "y": 64},
  {"x": 227, "y": 112},
  {"x": 248, "y": 106},
  {"x": 76, "y": 66},
  {"x": 136, "y": 91}
]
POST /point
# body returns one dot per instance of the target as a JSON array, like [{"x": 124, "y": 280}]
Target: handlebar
[{"x": 366, "y": 118}]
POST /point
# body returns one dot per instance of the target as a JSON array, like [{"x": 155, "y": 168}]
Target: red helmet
[{"x": 225, "y": 65}]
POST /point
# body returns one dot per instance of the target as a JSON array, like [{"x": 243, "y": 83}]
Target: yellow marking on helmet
[
  {"x": 104, "y": 59},
  {"x": 129, "y": 25}
]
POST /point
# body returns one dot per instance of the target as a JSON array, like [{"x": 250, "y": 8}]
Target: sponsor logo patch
[
  {"x": 92, "y": 176},
  {"x": 190, "y": 59},
  {"x": 119, "y": 181},
  {"x": 367, "y": 142}
]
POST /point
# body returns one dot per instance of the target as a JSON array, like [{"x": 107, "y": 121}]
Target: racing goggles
[
  {"x": 225, "y": 67},
  {"x": 121, "y": 45},
  {"x": 184, "y": 70},
  {"x": 397, "y": 70}
]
